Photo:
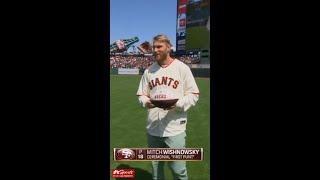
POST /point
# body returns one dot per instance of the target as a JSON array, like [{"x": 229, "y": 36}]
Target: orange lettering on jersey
[
  {"x": 175, "y": 85},
  {"x": 157, "y": 82},
  {"x": 164, "y": 80},
  {"x": 153, "y": 85},
  {"x": 160, "y": 96},
  {"x": 170, "y": 81}
]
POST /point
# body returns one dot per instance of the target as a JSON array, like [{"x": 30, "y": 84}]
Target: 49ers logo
[
  {"x": 163, "y": 81},
  {"x": 125, "y": 153}
]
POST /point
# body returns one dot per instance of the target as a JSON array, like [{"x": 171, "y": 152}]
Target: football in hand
[
  {"x": 163, "y": 99},
  {"x": 164, "y": 103}
]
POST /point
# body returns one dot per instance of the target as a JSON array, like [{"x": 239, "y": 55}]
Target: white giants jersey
[{"x": 177, "y": 82}]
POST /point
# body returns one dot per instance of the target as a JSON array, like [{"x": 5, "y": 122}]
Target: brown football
[{"x": 164, "y": 103}]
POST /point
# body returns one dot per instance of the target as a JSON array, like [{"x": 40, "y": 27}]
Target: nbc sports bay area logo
[{"x": 123, "y": 173}]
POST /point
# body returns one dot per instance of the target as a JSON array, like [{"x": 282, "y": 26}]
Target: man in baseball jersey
[{"x": 166, "y": 127}]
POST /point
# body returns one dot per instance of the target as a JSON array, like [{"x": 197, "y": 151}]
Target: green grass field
[{"x": 128, "y": 120}]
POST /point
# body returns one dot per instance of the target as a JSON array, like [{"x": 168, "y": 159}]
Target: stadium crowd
[
  {"x": 140, "y": 62},
  {"x": 189, "y": 59},
  {"x": 143, "y": 62}
]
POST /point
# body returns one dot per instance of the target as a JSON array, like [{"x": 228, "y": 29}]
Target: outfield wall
[
  {"x": 201, "y": 72},
  {"x": 197, "y": 72}
]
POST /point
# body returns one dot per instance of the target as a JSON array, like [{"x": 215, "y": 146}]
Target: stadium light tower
[
  {"x": 133, "y": 48},
  {"x": 122, "y": 45}
]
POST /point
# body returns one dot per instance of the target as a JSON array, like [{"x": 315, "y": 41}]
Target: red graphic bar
[{"x": 123, "y": 173}]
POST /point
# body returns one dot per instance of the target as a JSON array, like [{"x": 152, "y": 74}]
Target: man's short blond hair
[{"x": 162, "y": 38}]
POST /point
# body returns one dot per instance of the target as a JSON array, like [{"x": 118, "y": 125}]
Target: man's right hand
[{"x": 149, "y": 105}]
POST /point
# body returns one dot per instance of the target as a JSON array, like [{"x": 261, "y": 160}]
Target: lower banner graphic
[{"x": 158, "y": 154}]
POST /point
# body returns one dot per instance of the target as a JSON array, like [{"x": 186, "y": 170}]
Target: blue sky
[{"x": 142, "y": 18}]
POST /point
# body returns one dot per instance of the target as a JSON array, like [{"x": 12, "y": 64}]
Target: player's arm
[
  {"x": 145, "y": 102},
  {"x": 143, "y": 92},
  {"x": 191, "y": 92}
]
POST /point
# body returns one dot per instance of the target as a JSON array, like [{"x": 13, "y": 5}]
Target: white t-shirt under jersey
[{"x": 178, "y": 79}]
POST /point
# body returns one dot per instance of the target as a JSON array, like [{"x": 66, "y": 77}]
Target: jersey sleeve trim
[{"x": 142, "y": 95}]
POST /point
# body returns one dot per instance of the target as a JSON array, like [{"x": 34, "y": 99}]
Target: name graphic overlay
[{"x": 158, "y": 154}]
